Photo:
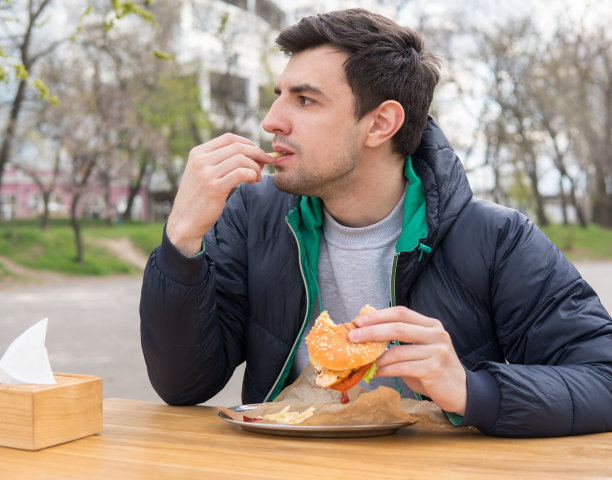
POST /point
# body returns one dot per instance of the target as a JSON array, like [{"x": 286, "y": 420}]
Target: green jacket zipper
[
  {"x": 393, "y": 304},
  {"x": 278, "y": 384}
]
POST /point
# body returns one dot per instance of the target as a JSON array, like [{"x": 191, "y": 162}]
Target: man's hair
[{"x": 386, "y": 62}]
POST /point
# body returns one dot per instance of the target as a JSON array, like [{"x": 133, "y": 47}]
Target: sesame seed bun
[{"x": 329, "y": 346}]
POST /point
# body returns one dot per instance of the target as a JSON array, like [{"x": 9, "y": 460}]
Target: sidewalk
[{"x": 94, "y": 328}]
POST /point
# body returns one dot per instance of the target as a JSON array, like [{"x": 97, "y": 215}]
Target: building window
[
  {"x": 238, "y": 3},
  {"x": 228, "y": 88},
  {"x": 270, "y": 13}
]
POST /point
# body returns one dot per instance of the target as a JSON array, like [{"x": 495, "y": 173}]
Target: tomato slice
[{"x": 352, "y": 380}]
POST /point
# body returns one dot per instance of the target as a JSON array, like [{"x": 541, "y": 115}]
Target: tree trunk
[
  {"x": 172, "y": 179},
  {"x": 577, "y": 207},
  {"x": 44, "y": 219},
  {"x": 492, "y": 154},
  {"x": 134, "y": 188},
  {"x": 559, "y": 160},
  {"x": 9, "y": 132},
  {"x": 76, "y": 227},
  {"x": 109, "y": 208},
  {"x": 539, "y": 201},
  {"x": 563, "y": 199},
  {"x": 532, "y": 173},
  {"x": 602, "y": 202},
  {"x": 47, "y": 192},
  {"x": 195, "y": 132},
  {"x": 87, "y": 169}
]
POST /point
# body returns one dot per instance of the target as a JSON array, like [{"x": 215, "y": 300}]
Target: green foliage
[
  {"x": 87, "y": 11},
  {"x": 162, "y": 55},
  {"x": 44, "y": 93},
  {"x": 519, "y": 190},
  {"x": 173, "y": 109},
  {"x": 122, "y": 9},
  {"x": 223, "y": 23},
  {"x": 21, "y": 72}
]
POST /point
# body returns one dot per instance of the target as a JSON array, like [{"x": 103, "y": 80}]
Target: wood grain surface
[{"x": 156, "y": 441}]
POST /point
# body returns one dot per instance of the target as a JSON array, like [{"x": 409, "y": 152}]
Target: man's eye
[{"x": 305, "y": 100}]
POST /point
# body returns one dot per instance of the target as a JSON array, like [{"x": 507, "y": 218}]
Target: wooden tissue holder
[{"x": 39, "y": 416}]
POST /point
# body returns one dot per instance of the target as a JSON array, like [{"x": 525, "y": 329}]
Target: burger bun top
[{"x": 329, "y": 346}]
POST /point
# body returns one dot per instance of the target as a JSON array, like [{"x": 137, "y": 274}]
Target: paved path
[{"x": 94, "y": 328}]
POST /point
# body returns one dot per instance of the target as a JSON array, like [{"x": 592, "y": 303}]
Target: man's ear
[{"x": 385, "y": 120}]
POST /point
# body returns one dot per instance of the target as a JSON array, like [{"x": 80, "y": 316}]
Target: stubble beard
[{"x": 325, "y": 183}]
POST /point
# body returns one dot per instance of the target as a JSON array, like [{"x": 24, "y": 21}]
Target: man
[{"x": 369, "y": 204}]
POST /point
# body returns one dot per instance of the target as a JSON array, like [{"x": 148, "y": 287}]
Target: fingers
[
  {"x": 404, "y": 353},
  {"x": 394, "y": 314},
  {"x": 228, "y": 146},
  {"x": 432, "y": 370},
  {"x": 398, "y": 323},
  {"x": 237, "y": 166},
  {"x": 427, "y": 361},
  {"x": 414, "y": 360},
  {"x": 222, "y": 141},
  {"x": 221, "y": 164},
  {"x": 213, "y": 169}
]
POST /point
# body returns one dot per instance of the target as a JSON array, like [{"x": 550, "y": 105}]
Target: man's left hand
[{"x": 427, "y": 362}]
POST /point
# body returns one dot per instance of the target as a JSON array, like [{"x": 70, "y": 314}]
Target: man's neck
[{"x": 371, "y": 197}]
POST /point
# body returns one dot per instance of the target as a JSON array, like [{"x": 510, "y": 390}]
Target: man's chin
[{"x": 290, "y": 185}]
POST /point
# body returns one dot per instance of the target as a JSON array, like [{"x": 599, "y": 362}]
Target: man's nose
[{"x": 276, "y": 120}]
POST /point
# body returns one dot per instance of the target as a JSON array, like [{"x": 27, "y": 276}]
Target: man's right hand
[{"x": 213, "y": 169}]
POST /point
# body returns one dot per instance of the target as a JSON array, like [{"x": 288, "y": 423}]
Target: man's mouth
[{"x": 280, "y": 153}]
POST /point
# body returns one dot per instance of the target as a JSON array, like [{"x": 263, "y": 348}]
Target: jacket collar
[
  {"x": 437, "y": 191},
  {"x": 445, "y": 184}
]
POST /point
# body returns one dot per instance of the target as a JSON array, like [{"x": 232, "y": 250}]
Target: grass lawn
[
  {"x": 53, "y": 249},
  {"x": 591, "y": 243},
  {"x": 144, "y": 236},
  {"x": 25, "y": 243}
]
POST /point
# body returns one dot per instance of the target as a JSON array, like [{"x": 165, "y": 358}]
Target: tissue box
[{"x": 38, "y": 416}]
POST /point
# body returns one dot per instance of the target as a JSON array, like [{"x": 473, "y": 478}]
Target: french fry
[
  {"x": 276, "y": 154},
  {"x": 292, "y": 418}
]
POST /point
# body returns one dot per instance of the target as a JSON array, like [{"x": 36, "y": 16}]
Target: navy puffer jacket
[{"x": 532, "y": 335}]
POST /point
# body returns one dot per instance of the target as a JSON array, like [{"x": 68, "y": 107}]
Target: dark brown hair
[{"x": 386, "y": 62}]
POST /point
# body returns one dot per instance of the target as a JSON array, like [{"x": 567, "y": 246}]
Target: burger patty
[{"x": 326, "y": 378}]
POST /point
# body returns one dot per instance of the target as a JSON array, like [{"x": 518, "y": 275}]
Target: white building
[{"x": 231, "y": 43}]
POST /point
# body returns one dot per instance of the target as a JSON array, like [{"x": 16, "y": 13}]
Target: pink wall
[{"x": 19, "y": 200}]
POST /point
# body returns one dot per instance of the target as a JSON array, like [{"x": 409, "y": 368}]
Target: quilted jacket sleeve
[
  {"x": 557, "y": 341},
  {"x": 192, "y": 339}
]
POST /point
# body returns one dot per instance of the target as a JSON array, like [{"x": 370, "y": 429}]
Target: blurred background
[{"x": 102, "y": 100}]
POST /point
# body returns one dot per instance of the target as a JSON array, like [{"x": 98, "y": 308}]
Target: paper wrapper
[{"x": 377, "y": 407}]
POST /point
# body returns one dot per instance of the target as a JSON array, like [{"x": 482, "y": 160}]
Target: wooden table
[{"x": 155, "y": 441}]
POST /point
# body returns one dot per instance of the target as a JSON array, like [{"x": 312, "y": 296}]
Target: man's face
[{"x": 313, "y": 120}]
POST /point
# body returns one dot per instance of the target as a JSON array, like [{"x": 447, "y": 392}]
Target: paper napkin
[{"x": 26, "y": 359}]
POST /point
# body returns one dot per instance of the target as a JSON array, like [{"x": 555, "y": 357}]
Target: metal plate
[{"x": 313, "y": 431}]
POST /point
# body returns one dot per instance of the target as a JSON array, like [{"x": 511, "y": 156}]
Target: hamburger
[{"x": 339, "y": 363}]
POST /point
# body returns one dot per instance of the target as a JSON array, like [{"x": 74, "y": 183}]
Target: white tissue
[{"x": 26, "y": 359}]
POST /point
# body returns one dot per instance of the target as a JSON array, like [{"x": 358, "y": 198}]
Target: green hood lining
[{"x": 414, "y": 226}]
